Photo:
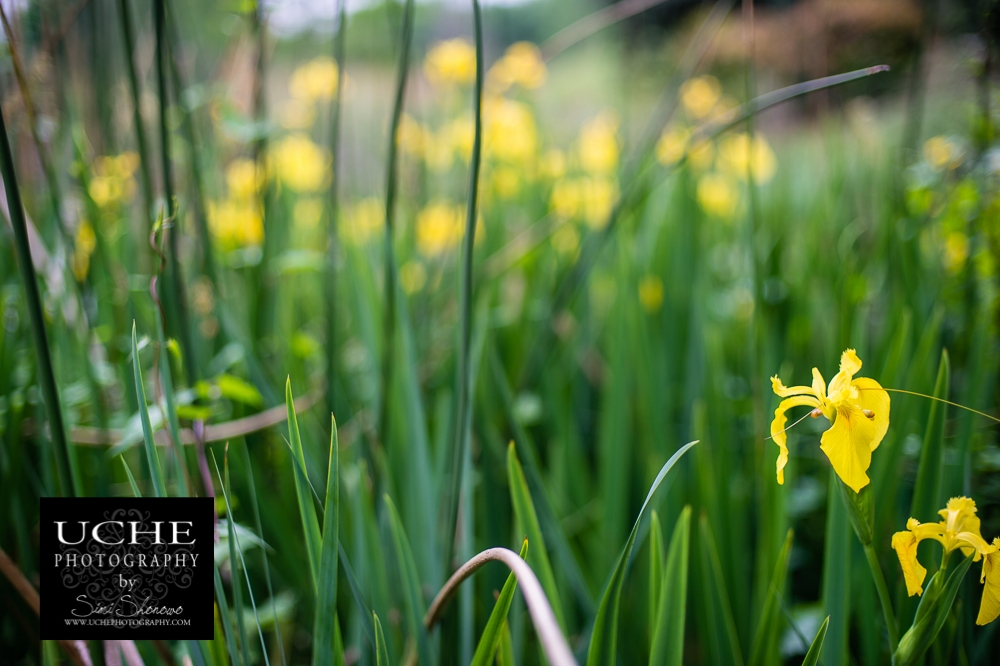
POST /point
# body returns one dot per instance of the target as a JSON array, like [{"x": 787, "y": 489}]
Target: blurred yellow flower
[
  {"x": 307, "y": 213},
  {"x": 941, "y": 152},
  {"x": 565, "y": 198},
  {"x": 521, "y": 65},
  {"x": 598, "y": 197},
  {"x": 505, "y": 181},
  {"x": 671, "y": 145},
  {"x": 599, "y": 144},
  {"x": 243, "y": 179},
  {"x": 740, "y": 155},
  {"x": 363, "y": 221},
  {"x": 858, "y": 411},
  {"x": 112, "y": 180},
  {"x": 315, "y": 80},
  {"x": 236, "y": 223},
  {"x": 412, "y": 277},
  {"x": 83, "y": 246},
  {"x": 411, "y": 137},
  {"x": 452, "y": 61},
  {"x": 718, "y": 196},
  {"x": 439, "y": 227},
  {"x": 461, "y": 133},
  {"x": 956, "y": 251},
  {"x": 651, "y": 293},
  {"x": 699, "y": 95},
  {"x": 509, "y": 132},
  {"x": 301, "y": 164}
]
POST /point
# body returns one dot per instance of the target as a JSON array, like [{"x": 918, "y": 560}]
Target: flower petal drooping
[
  {"x": 989, "y": 608},
  {"x": 778, "y": 428}
]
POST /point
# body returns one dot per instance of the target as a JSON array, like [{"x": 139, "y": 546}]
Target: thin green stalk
[
  {"x": 175, "y": 280},
  {"x": 128, "y": 37},
  {"x": 883, "y": 596},
  {"x": 334, "y": 247},
  {"x": 389, "y": 323},
  {"x": 46, "y": 375},
  {"x": 463, "y": 389}
]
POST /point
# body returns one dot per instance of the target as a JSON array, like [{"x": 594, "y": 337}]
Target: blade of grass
[
  {"x": 381, "y": 653},
  {"x": 489, "y": 641},
  {"x": 669, "y": 618},
  {"x": 131, "y": 479},
  {"x": 603, "y": 640},
  {"x": 155, "y": 473},
  {"x": 836, "y": 576},
  {"x": 655, "y": 570},
  {"x": 330, "y": 284},
  {"x": 325, "y": 618},
  {"x": 527, "y": 520},
  {"x": 715, "y": 582},
  {"x": 411, "y": 583},
  {"x": 767, "y": 627},
  {"x": 816, "y": 649},
  {"x": 46, "y": 374},
  {"x": 235, "y": 656},
  {"x": 389, "y": 283},
  {"x": 235, "y": 539},
  {"x": 307, "y": 510},
  {"x": 463, "y": 382}
]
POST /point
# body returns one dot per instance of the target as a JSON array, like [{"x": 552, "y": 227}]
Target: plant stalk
[{"x": 883, "y": 596}]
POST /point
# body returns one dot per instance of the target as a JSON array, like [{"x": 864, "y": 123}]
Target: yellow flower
[
  {"x": 521, "y": 65},
  {"x": 236, "y": 223},
  {"x": 85, "y": 242},
  {"x": 565, "y": 198},
  {"x": 363, "y": 221},
  {"x": 671, "y": 146},
  {"x": 958, "y": 529},
  {"x": 301, "y": 164},
  {"x": 509, "y": 132},
  {"x": 315, "y": 80},
  {"x": 505, "y": 181},
  {"x": 699, "y": 95},
  {"x": 439, "y": 227},
  {"x": 553, "y": 164},
  {"x": 462, "y": 134},
  {"x": 741, "y": 155},
  {"x": 718, "y": 195},
  {"x": 451, "y": 61},
  {"x": 651, "y": 293},
  {"x": 598, "y": 197},
  {"x": 956, "y": 251},
  {"x": 858, "y": 411},
  {"x": 599, "y": 144},
  {"x": 941, "y": 152},
  {"x": 242, "y": 178}
]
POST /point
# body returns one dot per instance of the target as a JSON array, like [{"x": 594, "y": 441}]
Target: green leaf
[
  {"x": 381, "y": 653},
  {"x": 237, "y": 390},
  {"x": 935, "y": 605},
  {"x": 155, "y": 473},
  {"x": 604, "y": 639},
  {"x": 668, "y": 634},
  {"x": 655, "y": 569},
  {"x": 490, "y": 639},
  {"x": 767, "y": 627},
  {"x": 927, "y": 491},
  {"x": 527, "y": 520},
  {"x": 722, "y": 610},
  {"x": 411, "y": 584},
  {"x": 307, "y": 510},
  {"x": 131, "y": 479},
  {"x": 816, "y": 649},
  {"x": 836, "y": 577},
  {"x": 505, "y": 652},
  {"x": 326, "y": 594},
  {"x": 226, "y": 618}
]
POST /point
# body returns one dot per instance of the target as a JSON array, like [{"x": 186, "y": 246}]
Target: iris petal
[
  {"x": 848, "y": 445},
  {"x": 778, "y": 428},
  {"x": 849, "y": 366},
  {"x": 783, "y": 391},
  {"x": 905, "y": 545},
  {"x": 989, "y": 608},
  {"x": 873, "y": 397}
]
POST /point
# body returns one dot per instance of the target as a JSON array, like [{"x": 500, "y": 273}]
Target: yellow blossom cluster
[
  {"x": 440, "y": 226},
  {"x": 590, "y": 193},
  {"x": 942, "y": 153},
  {"x": 84, "y": 243},
  {"x": 312, "y": 82},
  {"x": 236, "y": 221},
  {"x": 521, "y": 65},
  {"x": 451, "y": 62},
  {"x": 298, "y": 163},
  {"x": 112, "y": 181}
]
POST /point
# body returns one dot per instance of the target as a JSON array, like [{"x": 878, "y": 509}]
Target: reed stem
[
  {"x": 332, "y": 238},
  {"x": 883, "y": 597}
]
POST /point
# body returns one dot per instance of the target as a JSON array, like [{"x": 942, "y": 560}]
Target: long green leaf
[
  {"x": 226, "y": 618},
  {"x": 131, "y": 479},
  {"x": 415, "y": 608},
  {"x": 490, "y": 639},
  {"x": 307, "y": 510},
  {"x": 655, "y": 569},
  {"x": 381, "y": 653},
  {"x": 715, "y": 582},
  {"x": 155, "y": 473},
  {"x": 836, "y": 576},
  {"x": 767, "y": 626},
  {"x": 816, "y": 649},
  {"x": 935, "y": 606},
  {"x": 527, "y": 520},
  {"x": 326, "y": 594},
  {"x": 668, "y": 634},
  {"x": 604, "y": 639},
  {"x": 927, "y": 492}
]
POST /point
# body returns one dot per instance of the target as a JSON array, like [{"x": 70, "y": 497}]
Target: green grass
[{"x": 505, "y": 371}]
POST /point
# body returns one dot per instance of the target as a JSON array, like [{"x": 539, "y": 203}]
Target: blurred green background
[{"x": 633, "y": 289}]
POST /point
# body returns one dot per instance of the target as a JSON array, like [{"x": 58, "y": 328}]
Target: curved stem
[
  {"x": 883, "y": 596},
  {"x": 553, "y": 642}
]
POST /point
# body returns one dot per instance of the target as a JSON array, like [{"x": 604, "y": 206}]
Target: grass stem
[{"x": 883, "y": 597}]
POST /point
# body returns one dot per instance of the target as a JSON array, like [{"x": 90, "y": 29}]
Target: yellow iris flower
[
  {"x": 958, "y": 530},
  {"x": 858, "y": 411}
]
